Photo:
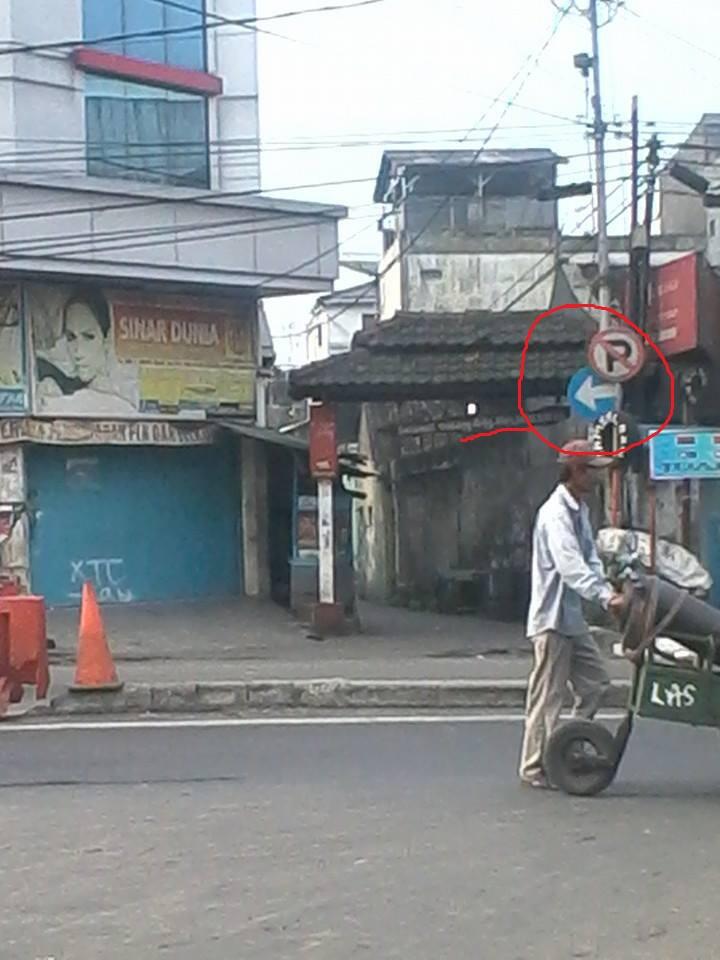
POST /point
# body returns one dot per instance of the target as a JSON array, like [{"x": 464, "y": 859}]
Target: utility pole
[
  {"x": 653, "y": 162},
  {"x": 586, "y": 64},
  {"x": 603, "y": 247},
  {"x": 638, "y": 239},
  {"x": 635, "y": 134}
]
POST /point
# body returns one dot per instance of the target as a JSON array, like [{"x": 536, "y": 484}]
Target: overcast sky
[{"x": 425, "y": 72}]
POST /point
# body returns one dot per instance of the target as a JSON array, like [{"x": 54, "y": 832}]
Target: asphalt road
[{"x": 336, "y": 842}]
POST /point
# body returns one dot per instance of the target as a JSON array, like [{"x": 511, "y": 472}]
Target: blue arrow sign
[{"x": 590, "y": 396}]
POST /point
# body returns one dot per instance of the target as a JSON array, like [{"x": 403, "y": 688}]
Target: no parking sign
[{"x": 616, "y": 354}]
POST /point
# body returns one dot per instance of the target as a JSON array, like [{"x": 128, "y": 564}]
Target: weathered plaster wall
[{"x": 441, "y": 506}]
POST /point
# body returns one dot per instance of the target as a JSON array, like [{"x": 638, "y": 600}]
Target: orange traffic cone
[{"x": 95, "y": 668}]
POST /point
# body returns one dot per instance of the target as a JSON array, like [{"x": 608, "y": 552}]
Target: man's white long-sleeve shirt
[{"x": 565, "y": 569}]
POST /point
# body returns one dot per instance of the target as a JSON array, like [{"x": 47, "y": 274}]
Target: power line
[
  {"x": 669, "y": 33},
  {"x": 230, "y": 159},
  {"x": 79, "y": 244},
  {"x": 215, "y": 195},
  {"x": 109, "y": 240},
  {"x": 380, "y": 135},
  {"x": 176, "y": 31},
  {"x": 581, "y": 241},
  {"x": 158, "y": 201},
  {"x": 82, "y": 243},
  {"x": 528, "y": 273},
  {"x": 154, "y": 151},
  {"x": 426, "y": 226},
  {"x": 225, "y": 150},
  {"x": 218, "y": 18},
  {"x": 285, "y": 275}
]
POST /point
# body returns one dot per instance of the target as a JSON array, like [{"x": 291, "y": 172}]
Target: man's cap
[{"x": 583, "y": 450}]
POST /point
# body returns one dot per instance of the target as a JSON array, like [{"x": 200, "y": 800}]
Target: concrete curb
[{"x": 279, "y": 695}]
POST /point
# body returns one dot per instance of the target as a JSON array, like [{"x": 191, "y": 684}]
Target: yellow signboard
[
  {"x": 174, "y": 387},
  {"x": 178, "y": 331}
]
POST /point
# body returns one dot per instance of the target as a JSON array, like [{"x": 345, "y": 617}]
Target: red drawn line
[
  {"x": 521, "y": 377},
  {"x": 494, "y": 433}
]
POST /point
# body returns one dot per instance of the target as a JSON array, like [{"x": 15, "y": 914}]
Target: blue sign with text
[{"x": 687, "y": 453}]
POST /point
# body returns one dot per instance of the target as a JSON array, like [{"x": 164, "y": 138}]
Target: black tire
[{"x": 591, "y": 772}]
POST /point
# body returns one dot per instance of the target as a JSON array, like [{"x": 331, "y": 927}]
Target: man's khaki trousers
[{"x": 559, "y": 661}]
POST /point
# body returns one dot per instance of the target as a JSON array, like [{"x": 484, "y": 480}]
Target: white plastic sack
[{"x": 673, "y": 562}]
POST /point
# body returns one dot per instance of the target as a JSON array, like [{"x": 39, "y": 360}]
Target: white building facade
[
  {"x": 337, "y": 317},
  {"x": 135, "y": 250}
]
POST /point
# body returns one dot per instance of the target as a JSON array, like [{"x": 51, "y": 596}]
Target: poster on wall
[
  {"x": 104, "y": 354},
  {"x": 13, "y": 392},
  {"x": 307, "y": 527}
]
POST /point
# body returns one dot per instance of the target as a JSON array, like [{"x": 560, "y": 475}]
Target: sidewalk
[
  {"x": 256, "y": 632},
  {"x": 235, "y": 656}
]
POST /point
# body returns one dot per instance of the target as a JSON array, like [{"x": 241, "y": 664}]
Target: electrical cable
[
  {"x": 198, "y": 198},
  {"x": 55, "y": 250},
  {"x": 581, "y": 241},
  {"x": 231, "y": 148},
  {"x": 55, "y": 243},
  {"x": 528, "y": 273},
  {"x": 178, "y": 31},
  {"x": 207, "y": 195},
  {"x": 423, "y": 229},
  {"x": 675, "y": 36}
]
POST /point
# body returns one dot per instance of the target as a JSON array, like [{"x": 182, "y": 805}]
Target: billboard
[
  {"x": 101, "y": 353},
  {"x": 13, "y": 383}
]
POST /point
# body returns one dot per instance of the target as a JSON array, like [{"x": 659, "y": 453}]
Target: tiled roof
[
  {"x": 428, "y": 356},
  {"x": 364, "y": 374},
  {"x": 419, "y": 331}
]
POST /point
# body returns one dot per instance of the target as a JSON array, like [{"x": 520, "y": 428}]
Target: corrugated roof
[{"x": 265, "y": 434}]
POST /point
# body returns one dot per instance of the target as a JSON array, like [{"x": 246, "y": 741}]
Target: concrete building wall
[
  {"x": 234, "y": 116},
  {"x": 471, "y": 510},
  {"x": 326, "y": 337},
  {"x": 391, "y": 288},
  {"x": 477, "y": 516},
  {"x": 374, "y": 526},
  {"x": 255, "y": 518},
  {"x": 237, "y": 242},
  {"x": 454, "y": 283},
  {"x": 681, "y": 209}
]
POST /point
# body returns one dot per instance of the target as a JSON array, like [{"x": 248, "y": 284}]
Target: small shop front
[
  {"x": 144, "y": 523},
  {"x": 114, "y": 470},
  {"x": 140, "y": 521}
]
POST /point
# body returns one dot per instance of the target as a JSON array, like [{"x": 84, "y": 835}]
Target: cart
[{"x": 582, "y": 757}]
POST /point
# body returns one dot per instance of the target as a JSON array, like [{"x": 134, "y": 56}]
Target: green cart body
[
  {"x": 676, "y": 694},
  {"x": 582, "y": 757}
]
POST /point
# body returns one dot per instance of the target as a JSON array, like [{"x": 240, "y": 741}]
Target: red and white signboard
[
  {"x": 323, "y": 442},
  {"x": 674, "y": 307},
  {"x": 616, "y": 354}
]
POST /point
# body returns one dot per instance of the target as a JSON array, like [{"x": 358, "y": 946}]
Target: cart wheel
[{"x": 580, "y": 758}]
